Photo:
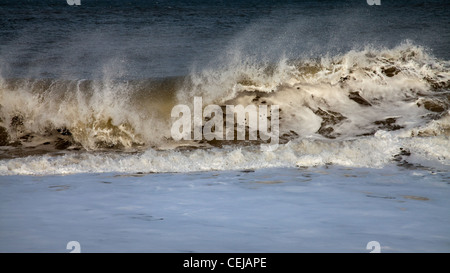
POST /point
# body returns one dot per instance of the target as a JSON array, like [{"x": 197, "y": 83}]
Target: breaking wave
[{"x": 333, "y": 109}]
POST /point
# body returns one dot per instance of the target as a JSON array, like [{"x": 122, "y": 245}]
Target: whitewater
[{"x": 391, "y": 101}]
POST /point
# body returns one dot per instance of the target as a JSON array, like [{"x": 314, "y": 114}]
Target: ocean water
[{"x": 87, "y": 152}]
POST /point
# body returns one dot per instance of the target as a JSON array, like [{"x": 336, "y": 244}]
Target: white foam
[
  {"x": 107, "y": 113},
  {"x": 373, "y": 152}
]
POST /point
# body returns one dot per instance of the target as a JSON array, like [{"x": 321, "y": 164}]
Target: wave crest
[{"x": 342, "y": 97}]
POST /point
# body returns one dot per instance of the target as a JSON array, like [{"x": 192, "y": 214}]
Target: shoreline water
[{"x": 317, "y": 209}]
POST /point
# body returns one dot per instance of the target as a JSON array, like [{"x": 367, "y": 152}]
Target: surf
[{"x": 326, "y": 101}]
